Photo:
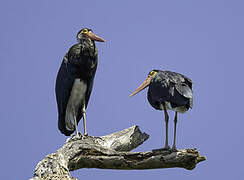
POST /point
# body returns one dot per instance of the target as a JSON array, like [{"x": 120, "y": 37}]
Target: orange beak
[
  {"x": 142, "y": 86},
  {"x": 94, "y": 37}
]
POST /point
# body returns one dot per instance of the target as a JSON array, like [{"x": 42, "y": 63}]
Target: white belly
[{"x": 76, "y": 98}]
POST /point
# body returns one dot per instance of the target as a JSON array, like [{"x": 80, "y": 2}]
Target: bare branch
[{"x": 111, "y": 152}]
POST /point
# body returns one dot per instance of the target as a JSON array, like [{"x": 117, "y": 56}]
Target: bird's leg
[
  {"x": 166, "y": 123},
  {"x": 76, "y": 128},
  {"x": 84, "y": 117},
  {"x": 175, "y": 122}
]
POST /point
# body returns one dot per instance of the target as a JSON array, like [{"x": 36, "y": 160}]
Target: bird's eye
[
  {"x": 85, "y": 31},
  {"x": 152, "y": 73}
]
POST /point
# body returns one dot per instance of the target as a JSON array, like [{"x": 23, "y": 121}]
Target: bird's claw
[
  {"x": 174, "y": 149},
  {"x": 167, "y": 147},
  {"x": 74, "y": 137}
]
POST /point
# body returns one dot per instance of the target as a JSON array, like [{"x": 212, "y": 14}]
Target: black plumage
[
  {"x": 168, "y": 91},
  {"x": 75, "y": 81},
  {"x": 170, "y": 88}
]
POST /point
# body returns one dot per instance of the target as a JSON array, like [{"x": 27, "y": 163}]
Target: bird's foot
[
  {"x": 74, "y": 137},
  {"x": 163, "y": 150},
  {"x": 85, "y": 134},
  {"x": 174, "y": 149},
  {"x": 167, "y": 147}
]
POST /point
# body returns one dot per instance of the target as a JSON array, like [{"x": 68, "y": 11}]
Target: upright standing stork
[
  {"x": 75, "y": 81},
  {"x": 168, "y": 91}
]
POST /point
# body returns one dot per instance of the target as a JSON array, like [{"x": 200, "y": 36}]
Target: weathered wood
[{"x": 111, "y": 152}]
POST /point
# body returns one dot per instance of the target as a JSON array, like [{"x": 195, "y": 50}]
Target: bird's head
[
  {"x": 86, "y": 33},
  {"x": 146, "y": 83}
]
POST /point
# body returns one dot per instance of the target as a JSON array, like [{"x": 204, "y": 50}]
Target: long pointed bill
[
  {"x": 142, "y": 86},
  {"x": 94, "y": 37}
]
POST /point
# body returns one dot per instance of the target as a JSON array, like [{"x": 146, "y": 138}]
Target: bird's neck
[{"x": 88, "y": 47}]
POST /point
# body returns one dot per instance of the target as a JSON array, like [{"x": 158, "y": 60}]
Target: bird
[
  {"x": 168, "y": 91},
  {"x": 74, "y": 82}
]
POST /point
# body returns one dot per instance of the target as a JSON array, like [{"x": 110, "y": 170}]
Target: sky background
[{"x": 201, "y": 39}]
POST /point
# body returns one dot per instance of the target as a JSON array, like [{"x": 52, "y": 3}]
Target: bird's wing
[
  {"x": 184, "y": 90},
  {"x": 182, "y": 83},
  {"x": 75, "y": 55},
  {"x": 158, "y": 91},
  {"x": 64, "y": 84},
  {"x": 187, "y": 80}
]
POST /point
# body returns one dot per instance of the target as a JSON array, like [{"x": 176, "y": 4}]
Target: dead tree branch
[{"x": 111, "y": 152}]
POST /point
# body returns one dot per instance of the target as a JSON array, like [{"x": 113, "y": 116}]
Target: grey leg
[
  {"x": 175, "y": 122},
  {"x": 74, "y": 115},
  {"x": 84, "y": 118},
  {"x": 166, "y": 123}
]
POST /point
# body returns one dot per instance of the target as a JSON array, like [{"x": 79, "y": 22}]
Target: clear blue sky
[{"x": 201, "y": 39}]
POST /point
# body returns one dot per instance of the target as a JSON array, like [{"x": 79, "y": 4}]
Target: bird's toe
[
  {"x": 74, "y": 137},
  {"x": 166, "y": 148},
  {"x": 174, "y": 149}
]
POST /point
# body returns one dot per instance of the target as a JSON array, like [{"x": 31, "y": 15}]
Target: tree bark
[{"x": 111, "y": 152}]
